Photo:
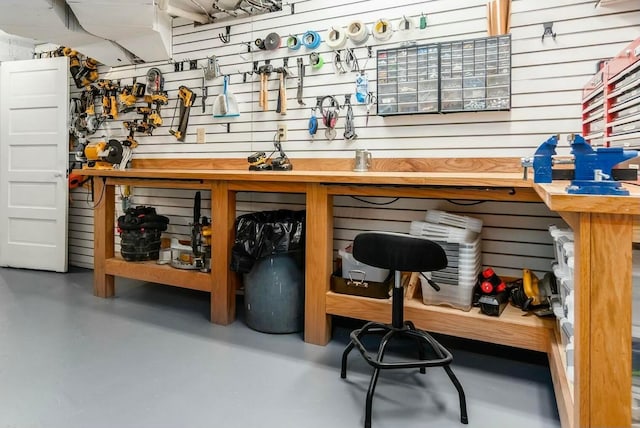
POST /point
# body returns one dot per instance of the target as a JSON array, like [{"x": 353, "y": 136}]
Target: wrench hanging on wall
[{"x": 301, "y": 68}]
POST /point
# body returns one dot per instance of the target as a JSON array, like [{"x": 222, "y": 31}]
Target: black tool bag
[
  {"x": 264, "y": 233},
  {"x": 140, "y": 232}
]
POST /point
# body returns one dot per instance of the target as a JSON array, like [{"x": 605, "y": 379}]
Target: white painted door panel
[{"x": 34, "y": 100}]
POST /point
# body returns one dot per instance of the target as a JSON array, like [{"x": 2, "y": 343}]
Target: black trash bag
[
  {"x": 264, "y": 233},
  {"x": 140, "y": 231}
]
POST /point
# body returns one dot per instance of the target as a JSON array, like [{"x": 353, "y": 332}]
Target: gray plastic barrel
[{"x": 274, "y": 294}]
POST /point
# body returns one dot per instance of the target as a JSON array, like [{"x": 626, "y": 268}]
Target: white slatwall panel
[{"x": 547, "y": 80}]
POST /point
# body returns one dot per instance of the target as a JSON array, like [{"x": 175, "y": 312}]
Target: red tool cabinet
[{"x": 611, "y": 102}]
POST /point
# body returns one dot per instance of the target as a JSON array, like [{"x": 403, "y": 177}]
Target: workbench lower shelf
[
  {"x": 150, "y": 271},
  {"x": 513, "y": 327}
]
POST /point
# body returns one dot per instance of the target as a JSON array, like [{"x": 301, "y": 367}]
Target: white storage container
[
  {"x": 455, "y": 296},
  {"x": 353, "y": 268},
  {"x": 455, "y": 220}
]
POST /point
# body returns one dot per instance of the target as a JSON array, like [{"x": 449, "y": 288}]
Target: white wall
[
  {"x": 547, "y": 81},
  {"x": 13, "y": 48}
]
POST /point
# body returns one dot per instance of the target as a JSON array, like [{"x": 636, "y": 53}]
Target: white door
[{"x": 34, "y": 145}]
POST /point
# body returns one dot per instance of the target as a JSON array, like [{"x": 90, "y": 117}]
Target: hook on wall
[
  {"x": 225, "y": 38},
  {"x": 548, "y": 30}
]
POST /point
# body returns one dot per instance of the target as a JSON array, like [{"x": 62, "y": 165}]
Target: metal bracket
[{"x": 548, "y": 30}]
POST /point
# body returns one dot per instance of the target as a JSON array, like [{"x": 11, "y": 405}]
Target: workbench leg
[
  {"x": 319, "y": 251},
  {"x": 223, "y": 285},
  {"x": 103, "y": 230},
  {"x": 603, "y": 298}
]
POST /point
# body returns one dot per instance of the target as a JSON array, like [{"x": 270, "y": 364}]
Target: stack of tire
[{"x": 140, "y": 231}]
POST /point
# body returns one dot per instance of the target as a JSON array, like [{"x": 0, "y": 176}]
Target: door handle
[{"x": 58, "y": 174}]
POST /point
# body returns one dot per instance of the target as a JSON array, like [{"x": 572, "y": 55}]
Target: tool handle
[
  {"x": 283, "y": 95},
  {"x": 265, "y": 93}
]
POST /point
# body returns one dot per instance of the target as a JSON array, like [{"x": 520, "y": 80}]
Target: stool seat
[{"x": 399, "y": 252}]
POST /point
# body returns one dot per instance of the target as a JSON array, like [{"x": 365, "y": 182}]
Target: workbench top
[
  {"x": 465, "y": 179},
  {"x": 555, "y": 196}
]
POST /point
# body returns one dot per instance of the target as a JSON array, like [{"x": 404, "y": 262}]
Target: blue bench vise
[{"x": 593, "y": 168}]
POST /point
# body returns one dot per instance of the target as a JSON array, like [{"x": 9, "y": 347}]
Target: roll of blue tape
[{"x": 311, "y": 39}]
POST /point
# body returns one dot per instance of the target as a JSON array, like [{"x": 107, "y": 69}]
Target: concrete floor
[{"x": 150, "y": 358}]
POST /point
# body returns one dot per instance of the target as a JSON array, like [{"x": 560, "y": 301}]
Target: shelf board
[
  {"x": 150, "y": 271},
  {"x": 512, "y": 328}
]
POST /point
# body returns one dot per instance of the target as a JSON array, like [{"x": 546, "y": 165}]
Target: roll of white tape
[
  {"x": 382, "y": 30},
  {"x": 405, "y": 24},
  {"x": 336, "y": 38},
  {"x": 358, "y": 32}
]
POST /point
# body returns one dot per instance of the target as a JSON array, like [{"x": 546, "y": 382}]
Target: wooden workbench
[{"x": 603, "y": 231}]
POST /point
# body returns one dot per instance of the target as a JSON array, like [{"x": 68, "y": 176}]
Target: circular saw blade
[{"x": 115, "y": 152}]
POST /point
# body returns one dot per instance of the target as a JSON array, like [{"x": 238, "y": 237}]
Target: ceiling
[{"x": 118, "y": 32}]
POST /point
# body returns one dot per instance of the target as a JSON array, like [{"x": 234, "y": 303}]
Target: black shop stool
[{"x": 399, "y": 252}]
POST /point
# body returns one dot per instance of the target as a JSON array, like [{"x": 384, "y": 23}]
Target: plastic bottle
[{"x": 362, "y": 88}]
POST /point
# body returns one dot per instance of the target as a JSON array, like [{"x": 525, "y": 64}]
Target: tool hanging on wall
[
  {"x": 313, "y": 120},
  {"x": 212, "y": 70},
  {"x": 155, "y": 81},
  {"x": 371, "y": 101},
  {"x": 264, "y": 71},
  {"x": 283, "y": 73},
  {"x": 89, "y": 119},
  {"x": 129, "y": 95},
  {"x": 225, "y": 104},
  {"x": 349, "y": 127},
  {"x": 109, "y": 90},
  {"x": 84, "y": 72},
  {"x": 186, "y": 98},
  {"x": 330, "y": 115},
  {"x": 301, "y": 71}
]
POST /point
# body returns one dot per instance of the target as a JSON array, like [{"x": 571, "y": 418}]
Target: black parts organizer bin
[
  {"x": 140, "y": 230},
  {"x": 459, "y": 76}
]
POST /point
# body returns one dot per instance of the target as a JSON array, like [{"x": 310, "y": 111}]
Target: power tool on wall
[
  {"x": 186, "y": 98},
  {"x": 84, "y": 72}
]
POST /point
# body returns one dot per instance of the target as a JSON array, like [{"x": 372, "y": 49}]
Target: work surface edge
[{"x": 470, "y": 179}]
